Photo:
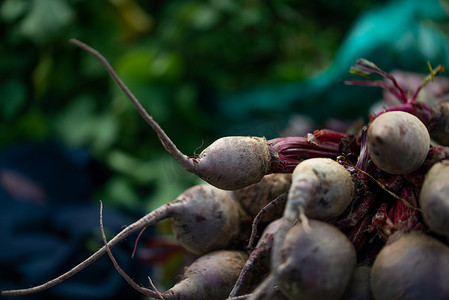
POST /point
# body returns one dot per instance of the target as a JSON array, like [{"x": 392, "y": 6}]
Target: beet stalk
[{"x": 259, "y": 259}]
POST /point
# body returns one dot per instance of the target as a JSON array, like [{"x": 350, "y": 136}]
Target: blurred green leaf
[
  {"x": 126, "y": 163},
  {"x": 13, "y": 93},
  {"x": 203, "y": 17},
  {"x": 168, "y": 178},
  {"x": 250, "y": 15},
  {"x": 41, "y": 74},
  {"x": 119, "y": 191},
  {"x": 167, "y": 66},
  {"x": 45, "y": 19},
  {"x": 78, "y": 124},
  {"x": 74, "y": 123},
  {"x": 32, "y": 125},
  {"x": 137, "y": 20},
  {"x": 11, "y": 10},
  {"x": 104, "y": 132},
  {"x": 149, "y": 65},
  {"x": 135, "y": 65},
  {"x": 171, "y": 181}
]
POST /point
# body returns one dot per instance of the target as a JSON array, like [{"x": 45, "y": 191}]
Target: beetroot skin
[{"x": 410, "y": 267}]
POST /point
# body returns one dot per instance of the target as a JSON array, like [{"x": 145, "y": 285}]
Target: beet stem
[
  {"x": 137, "y": 287},
  {"x": 241, "y": 297},
  {"x": 255, "y": 257},
  {"x": 264, "y": 289},
  {"x": 288, "y": 152},
  {"x": 277, "y": 201},
  {"x": 362, "y": 162},
  {"x": 155, "y": 289},
  {"x": 151, "y": 218},
  {"x": 170, "y": 147},
  {"x": 433, "y": 72},
  {"x": 364, "y": 68}
]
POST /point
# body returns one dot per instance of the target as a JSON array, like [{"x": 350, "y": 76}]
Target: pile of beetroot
[{"x": 330, "y": 215}]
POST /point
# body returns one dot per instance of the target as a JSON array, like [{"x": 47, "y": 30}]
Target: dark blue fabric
[{"x": 46, "y": 232}]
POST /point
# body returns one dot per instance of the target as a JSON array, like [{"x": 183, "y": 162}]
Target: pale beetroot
[
  {"x": 360, "y": 286},
  {"x": 434, "y": 198},
  {"x": 204, "y": 218},
  {"x": 233, "y": 162},
  {"x": 211, "y": 276},
  {"x": 315, "y": 263},
  {"x": 411, "y": 266},
  {"x": 439, "y": 129},
  {"x": 398, "y": 142},
  {"x": 321, "y": 187},
  {"x": 256, "y": 196}
]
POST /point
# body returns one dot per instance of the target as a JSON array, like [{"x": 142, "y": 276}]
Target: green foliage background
[{"x": 172, "y": 54}]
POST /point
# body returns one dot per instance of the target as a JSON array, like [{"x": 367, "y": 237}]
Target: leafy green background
[{"x": 172, "y": 54}]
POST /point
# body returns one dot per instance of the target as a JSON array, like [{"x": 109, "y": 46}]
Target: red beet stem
[
  {"x": 363, "y": 160},
  {"x": 382, "y": 223},
  {"x": 419, "y": 109},
  {"x": 433, "y": 72},
  {"x": 365, "y": 68},
  {"x": 287, "y": 152},
  {"x": 404, "y": 217}
]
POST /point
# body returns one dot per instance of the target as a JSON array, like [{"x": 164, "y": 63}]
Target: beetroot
[
  {"x": 398, "y": 142},
  {"x": 204, "y": 219},
  {"x": 316, "y": 263},
  {"x": 211, "y": 276},
  {"x": 411, "y": 266},
  {"x": 256, "y": 196},
  {"x": 434, "y": 198},
  {"x": 439, "y": 130},
  {"x": 359, "y": 287},
  {"x": 435, "y": 118},
  {"x": 321, "y": 187}
]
